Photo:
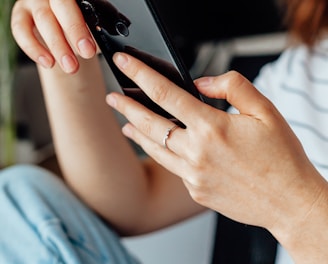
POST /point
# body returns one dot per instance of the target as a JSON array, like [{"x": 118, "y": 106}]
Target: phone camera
[{"x": 122, "y": 29}]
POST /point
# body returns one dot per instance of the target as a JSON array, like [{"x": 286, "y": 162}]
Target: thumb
[{"x": 236, "y": 89}]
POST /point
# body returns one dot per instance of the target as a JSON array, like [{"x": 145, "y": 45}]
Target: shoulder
[
  {"x": 273, "y": 73},
  {"x": 296, "y": 65}
]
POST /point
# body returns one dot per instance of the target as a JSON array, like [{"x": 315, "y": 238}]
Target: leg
[{"x": 43, "y": 222}]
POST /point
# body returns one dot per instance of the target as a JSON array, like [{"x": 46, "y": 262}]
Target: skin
[
  {"x": 249, "y": 167},
  {"x": 129, "y": 197}
]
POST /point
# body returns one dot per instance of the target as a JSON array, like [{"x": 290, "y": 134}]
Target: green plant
[{"x": 8, "y": 55}]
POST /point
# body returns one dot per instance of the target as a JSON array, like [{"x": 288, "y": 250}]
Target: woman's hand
[
  {"x": 49, "y": 31},
  {"x": 248, "y": 166}
]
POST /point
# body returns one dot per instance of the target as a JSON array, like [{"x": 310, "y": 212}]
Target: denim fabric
[{"x": 41, "y": 221}]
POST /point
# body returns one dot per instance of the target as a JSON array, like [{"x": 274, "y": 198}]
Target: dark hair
[{"x": 307, "y": 19}]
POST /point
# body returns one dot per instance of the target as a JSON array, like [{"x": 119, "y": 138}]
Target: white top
[{"x": 297, "y": 83}]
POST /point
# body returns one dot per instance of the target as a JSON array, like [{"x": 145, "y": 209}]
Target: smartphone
[{"x": 135, "y": 27}]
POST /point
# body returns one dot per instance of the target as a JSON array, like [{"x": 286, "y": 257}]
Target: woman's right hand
[{"x": 52, "y": 31}]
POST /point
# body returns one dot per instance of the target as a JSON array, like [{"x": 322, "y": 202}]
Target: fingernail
[
  {"x": 120, "y": 60},
  {"x": 45, "y": 62},
  {"x": 68, "y": 63},
  {"x": 110, "y": 99},
  {"x": 205, "y": 81},
  {"x": 86, "y": 48}
]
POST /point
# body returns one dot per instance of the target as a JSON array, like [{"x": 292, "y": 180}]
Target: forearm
[
  {"x": 92, "y": 152},
  {"x": 97, "y": 161}
]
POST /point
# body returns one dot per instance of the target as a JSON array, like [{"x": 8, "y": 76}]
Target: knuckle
[
  {"x": 145, "y": 125},
  {"x": 58, "y": 4},
  {"x": 197, "y": 193},
  {"x": 73, "y": 28},
  {"x": 199, "y": 157},
  {"x": 198, "y": 197},
  {"x": 54, "y": 43},
  {"x": 16, "y": 17},
  {"x": 206, "y": 129},
  {"x": 234, "y": 75},
  {"x": 70, "y": 27},
  {"x": 197, "y": 179},
  {"x": 180, "y": 102},
  {"x": 233, "y": 79},
  {"x": 198, "y": 187},
  {"x": 198, "y": 161},
  {"x": 159, "y": 94},
  {"x": 42, "y": 13},
  {"x": 17, "y": 6},
  {"x": 134, "y": 72}
]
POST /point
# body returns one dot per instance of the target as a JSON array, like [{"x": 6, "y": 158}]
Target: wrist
[{"x": 303, "y": 229}]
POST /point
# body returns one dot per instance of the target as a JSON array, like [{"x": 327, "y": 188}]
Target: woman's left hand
[{"x": 248, "y": 166}]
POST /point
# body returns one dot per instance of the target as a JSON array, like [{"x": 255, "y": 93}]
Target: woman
[{"x": 274, "y": 182}]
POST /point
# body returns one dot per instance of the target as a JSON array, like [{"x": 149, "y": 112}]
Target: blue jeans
[{"x": 41, "y": 221}]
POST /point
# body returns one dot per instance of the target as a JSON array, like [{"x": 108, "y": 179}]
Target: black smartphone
[{"x": 135, "y": 27}]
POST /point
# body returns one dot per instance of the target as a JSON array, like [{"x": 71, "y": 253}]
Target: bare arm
[{"x": 97, "y": 161}]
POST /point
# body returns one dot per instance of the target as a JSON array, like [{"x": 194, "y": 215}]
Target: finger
[
  {"x": 237, "y": 90},
  {"x": 165, "y": 157},
  {"x": 22, "y": 29},
  {"x": 74, "y": 26},
  {"x": 162, "y": 91},
  {"x": 54, "y": 37},
  {"x": 151, "y": 125}
]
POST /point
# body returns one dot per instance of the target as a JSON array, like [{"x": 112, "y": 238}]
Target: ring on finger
[{"x": 167, "y": 135}]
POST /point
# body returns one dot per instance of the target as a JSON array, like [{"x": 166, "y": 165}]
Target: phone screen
[{"x": 135, "y": 27}]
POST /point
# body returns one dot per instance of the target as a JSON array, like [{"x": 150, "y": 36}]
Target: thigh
[{"x": 42, "y": 221}]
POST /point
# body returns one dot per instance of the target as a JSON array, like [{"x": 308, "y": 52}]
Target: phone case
[{"x": 135, "y": 27}]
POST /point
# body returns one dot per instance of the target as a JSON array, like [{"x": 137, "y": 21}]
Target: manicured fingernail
[
  {"x": 121, "y": 60},
  {"x": 110, "y": 99},
  {"x": 86, "y": 48},
  {"x": 205, "y": 81},
  {"x": 45, "y": 62},
  {"x": 68, "y": 63}
]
